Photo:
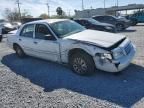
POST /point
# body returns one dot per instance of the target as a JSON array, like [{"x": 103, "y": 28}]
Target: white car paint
[
  {"x": 92, "y": 42},
  {"x": 12, "y": 32},
  {"x": 96, "y": 37},
  {"x": 0, "y": 31}
]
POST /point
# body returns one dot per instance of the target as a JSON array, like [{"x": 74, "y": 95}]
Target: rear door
[
  {"x": 109, "y": 20},
  {"x": 25, "y": 40},
  {"x": 86, "y": 24},
  {"x": 140, "y": 17},
  {"x": 45, "y": 44}
]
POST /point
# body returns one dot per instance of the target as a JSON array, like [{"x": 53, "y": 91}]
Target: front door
[
  {"x": 46, "y": 45},
  {"x": 140, "y": 17}
]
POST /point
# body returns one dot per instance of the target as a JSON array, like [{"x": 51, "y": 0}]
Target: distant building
[
  {"x": 89, "y": 12},
  {"x": 107, "y": 11}
]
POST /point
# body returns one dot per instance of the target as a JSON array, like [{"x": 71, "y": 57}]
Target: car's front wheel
[
  {"x": 134, "y": 22},
  {"x": 120, "y": 27},
  {"x": 82, "y": 63},
  {"x": 20, "y": 53}
]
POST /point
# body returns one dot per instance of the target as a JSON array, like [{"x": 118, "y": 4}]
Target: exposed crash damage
[{"x": 105, "y": 53}]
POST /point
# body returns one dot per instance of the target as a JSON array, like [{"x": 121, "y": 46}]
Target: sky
[{"x": 37, "y": 7}]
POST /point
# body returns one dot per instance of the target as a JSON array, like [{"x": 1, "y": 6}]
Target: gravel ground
[{"x": 35, "y": 83}]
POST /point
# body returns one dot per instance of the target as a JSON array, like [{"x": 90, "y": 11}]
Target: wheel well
[
  {"x": 119, "y": 24},
  {"x": 14, "y": 45},
  {"x": 134, "y": 19},
  {"x": 76, "y": 50}
]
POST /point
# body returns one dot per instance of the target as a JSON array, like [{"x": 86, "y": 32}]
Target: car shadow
[
  {"x": 139, "y": 25},
  {"x": 124, "y": 89},
  {"x": 127, "y": 30}
]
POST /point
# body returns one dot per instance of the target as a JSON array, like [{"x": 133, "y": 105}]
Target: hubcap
[
  {"x": 18, "y": 50},
  {"x": 119, "y": 27},
  {"x": 79, "y": 65}
]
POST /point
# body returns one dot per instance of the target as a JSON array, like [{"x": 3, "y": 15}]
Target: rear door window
[
  {"x": 100, "y": 18},
  {"x": 85, "y": 23},
  {"x": 108, "y": 18},
  {"x": 28, "y": 31}
]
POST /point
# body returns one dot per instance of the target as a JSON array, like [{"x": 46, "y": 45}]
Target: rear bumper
[
  {"x": 115, "y": 65},
  {"x": 0, "y": 37}
]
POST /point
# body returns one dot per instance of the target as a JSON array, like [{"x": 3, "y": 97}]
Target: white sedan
[
  {"x": 0, "y": 34},
  {"x": 66, "y": 42}
]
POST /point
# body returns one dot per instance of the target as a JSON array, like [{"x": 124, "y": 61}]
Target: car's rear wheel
[
  {"x": 134, "y": 22},
  {"x": 82, "y": 63},
  {"x": 20, "y": 53},
  {"x": 120, "y": 27},
  {"x": 0, "y": 38}
]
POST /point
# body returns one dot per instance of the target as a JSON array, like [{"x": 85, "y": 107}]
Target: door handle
[{"x": 35, "y": 42}]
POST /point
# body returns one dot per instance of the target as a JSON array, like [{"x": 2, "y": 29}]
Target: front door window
[{"x": 42, "y": 32}]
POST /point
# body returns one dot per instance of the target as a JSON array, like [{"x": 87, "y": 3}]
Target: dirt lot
[{"x": 35, "y": 83}]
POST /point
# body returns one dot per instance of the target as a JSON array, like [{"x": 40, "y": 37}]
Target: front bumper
[
  {"x": 115, "y": 65},
  {"x": 113, "y": 30},
  {"x": 127, "y": 24},
  {"x": 0, "y": 37}
]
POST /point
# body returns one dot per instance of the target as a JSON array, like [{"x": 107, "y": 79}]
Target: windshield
[
  {"x": 66, "y": 28},
  {"x": 93, "y": 21}
]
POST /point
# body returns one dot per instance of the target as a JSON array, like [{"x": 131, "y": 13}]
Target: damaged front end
[{"x": 117, "y": 59}]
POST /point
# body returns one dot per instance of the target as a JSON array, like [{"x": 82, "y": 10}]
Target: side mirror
[{"x": 49, "y": 37}]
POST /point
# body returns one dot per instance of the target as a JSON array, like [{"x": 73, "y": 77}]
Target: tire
[
  {"x": 120, "y": 27},
  {"x": 0, "y": 38},
  {"x": 19, "y": 52},
  {"x": 79, "y": 59},
  {"x": 134, "y": 22}
]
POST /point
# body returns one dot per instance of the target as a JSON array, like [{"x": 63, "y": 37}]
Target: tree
[
  {"x": 13, "y": 15},
  {"x": 26, "y": 14},
  {"x": 44, "y": 16},
  {"x": 59, "y": 11}
]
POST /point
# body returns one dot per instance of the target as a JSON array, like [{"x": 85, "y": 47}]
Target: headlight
[
  {"x": 118, "y": 53},
  {"x": 108, "y": 28},
  {"x": 105, "y": 56}
]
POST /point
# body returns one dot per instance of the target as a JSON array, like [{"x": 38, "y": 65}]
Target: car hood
[
  {"x": 8, "y": 25},
  {"x": 99, "y": 38},
  {"x": 12, "y": 32}
]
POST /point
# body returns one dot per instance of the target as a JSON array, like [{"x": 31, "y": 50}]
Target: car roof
[
  {"x": 102, "y": 16},
  {"x": 81, "y": 18},
  {"x": 47, "y": 21}
]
